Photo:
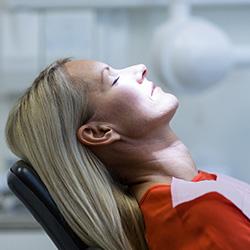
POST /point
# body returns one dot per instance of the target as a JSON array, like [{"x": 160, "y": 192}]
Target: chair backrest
[{"x": 28, "y": 187}]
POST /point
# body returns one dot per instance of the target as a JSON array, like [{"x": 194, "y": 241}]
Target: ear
[{"x": 97, "y": 134}]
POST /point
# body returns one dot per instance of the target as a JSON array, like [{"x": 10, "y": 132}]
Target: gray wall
[{"x": 214, "y": 124}]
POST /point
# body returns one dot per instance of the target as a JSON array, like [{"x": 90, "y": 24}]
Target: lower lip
[{"x": 155, "y": 90}]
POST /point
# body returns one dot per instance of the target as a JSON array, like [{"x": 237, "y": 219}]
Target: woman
[{"x": 100, "y": 140}]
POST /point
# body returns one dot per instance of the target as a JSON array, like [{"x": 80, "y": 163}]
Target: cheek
[
  {"x": 126, "y": 106},
  {"x": 132, "y": 114}
]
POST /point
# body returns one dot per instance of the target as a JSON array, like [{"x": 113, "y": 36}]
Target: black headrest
[{"x": 28, "y": 187}]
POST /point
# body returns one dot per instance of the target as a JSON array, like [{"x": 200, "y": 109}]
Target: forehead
[{"x": 85, "y": 68}]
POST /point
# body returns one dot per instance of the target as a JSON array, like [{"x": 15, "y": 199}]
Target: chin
[
  {"x": 171, "y": 106},
  {"x": 172, "y": 101}
]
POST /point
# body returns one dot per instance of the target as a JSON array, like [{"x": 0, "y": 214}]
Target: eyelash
[{"x": 115, "y": 81}]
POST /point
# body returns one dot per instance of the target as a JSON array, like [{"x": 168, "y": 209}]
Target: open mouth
[{"x": 153, "y": 88}]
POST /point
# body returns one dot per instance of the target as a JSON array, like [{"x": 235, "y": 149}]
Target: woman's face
[{"x": 124, "y": 97}]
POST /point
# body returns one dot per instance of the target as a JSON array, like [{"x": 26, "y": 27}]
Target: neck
[
  {"x": 151, "y": 160},
  {"x": 154, "y": 162}
]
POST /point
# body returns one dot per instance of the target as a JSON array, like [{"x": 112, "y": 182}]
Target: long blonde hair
[{"x": 41, "y": 130}]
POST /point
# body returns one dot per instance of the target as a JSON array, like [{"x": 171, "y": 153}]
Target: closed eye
[{"x": 116, "y": 80}]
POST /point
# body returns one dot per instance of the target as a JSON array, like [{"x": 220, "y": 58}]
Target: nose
[{"x": 141, "y": 73}]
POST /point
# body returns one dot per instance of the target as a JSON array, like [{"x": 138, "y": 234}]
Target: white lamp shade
[{"x": 192, "y": 55}]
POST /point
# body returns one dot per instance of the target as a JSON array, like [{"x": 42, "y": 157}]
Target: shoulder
[
  {"x": 159, "y": 191},
  {"x": 210, "y": 218},
  {"x": 156, "y": 192},
  {"x": 221, "y": 187}
]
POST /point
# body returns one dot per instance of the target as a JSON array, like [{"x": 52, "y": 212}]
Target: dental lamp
[{"x": 192, "y": 53}]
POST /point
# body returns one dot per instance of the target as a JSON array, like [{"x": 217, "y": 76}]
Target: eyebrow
[{"x": 106, "y": 68}]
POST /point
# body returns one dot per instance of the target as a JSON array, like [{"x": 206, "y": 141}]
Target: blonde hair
[{"x": 41, "y": 130}]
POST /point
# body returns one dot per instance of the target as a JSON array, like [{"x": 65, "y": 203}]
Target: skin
[{"x": 130, "y": 129}]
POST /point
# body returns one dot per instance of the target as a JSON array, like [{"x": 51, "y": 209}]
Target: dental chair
[{"x": 28, "y": 187}]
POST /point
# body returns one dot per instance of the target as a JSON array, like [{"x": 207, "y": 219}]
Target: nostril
[
  {"x": 144, "y": 73},
  {"x": 141, "y": 73}
]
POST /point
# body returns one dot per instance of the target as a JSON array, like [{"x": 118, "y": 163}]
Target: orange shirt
[{"x": 210, "y": 221}]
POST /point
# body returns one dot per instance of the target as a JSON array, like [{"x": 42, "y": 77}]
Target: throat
[{"x": 160, "y": 166}]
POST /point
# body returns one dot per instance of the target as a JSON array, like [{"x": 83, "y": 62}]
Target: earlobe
[{"x": 94, "y": 134}]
